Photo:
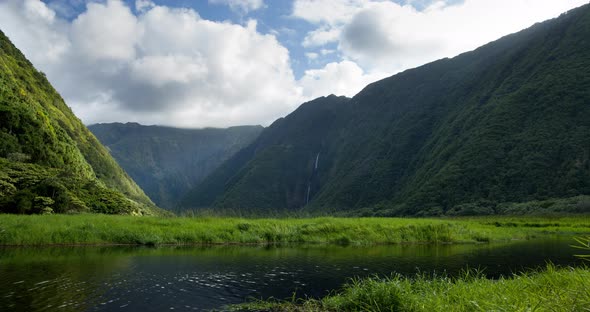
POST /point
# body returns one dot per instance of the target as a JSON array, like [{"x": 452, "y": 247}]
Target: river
[{"x": 204, "y": 278}]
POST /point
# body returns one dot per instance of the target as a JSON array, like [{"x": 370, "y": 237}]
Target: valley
[
  {"x": 462, "y": 184},
  {"x": 167, "y": 162}
]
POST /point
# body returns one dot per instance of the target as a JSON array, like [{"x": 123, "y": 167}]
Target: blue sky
[{"x": 198, "y": 63}]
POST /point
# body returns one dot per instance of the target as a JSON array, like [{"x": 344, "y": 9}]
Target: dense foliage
[
  {"x": 508, "y": 122},
  {"x": 167, "y": 162},
  {"x": 277, "y": 169},
  {"x": 49, "y": 161}
]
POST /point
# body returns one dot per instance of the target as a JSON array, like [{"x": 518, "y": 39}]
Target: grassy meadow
[
  {"x": 553, "y": 289},
  {"x": 88, "y": 229}
]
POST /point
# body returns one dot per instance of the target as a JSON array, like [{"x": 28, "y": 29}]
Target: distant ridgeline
[
  {"x": 49, "y": 161},
  {"x": 168, "y": 162},
  {"x": 508, "y": 122}
]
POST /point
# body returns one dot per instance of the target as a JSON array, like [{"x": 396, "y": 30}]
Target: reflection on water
[{"x": 198, "y": 278}]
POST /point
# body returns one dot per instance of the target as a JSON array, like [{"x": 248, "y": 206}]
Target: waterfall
[
  {"x": 315, "y": 168},
  {"x": 317, "y": 159}
]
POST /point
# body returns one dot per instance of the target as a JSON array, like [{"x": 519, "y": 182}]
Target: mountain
[
  {"x": 167, "y": 162},
  {"x": 278, "y": 168},
  {"x": 49, "y": 161},
  {"x": 507, "y": 122}
]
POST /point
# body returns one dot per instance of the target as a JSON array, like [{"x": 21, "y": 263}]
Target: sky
[{"x": 220, "y": 63}]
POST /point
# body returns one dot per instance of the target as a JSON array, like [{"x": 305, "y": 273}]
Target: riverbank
[
  {"x": 92, "y": 229},
  {"x": 554, "y": 289}
]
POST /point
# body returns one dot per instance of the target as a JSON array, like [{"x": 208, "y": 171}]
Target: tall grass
[
  {"x": 565, "y": 289},
  {"x": 583, "y": 244},
  {"x": 106, "y": 229}
]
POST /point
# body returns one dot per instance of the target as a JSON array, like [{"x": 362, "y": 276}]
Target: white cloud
[
  {"x": 106, "y": 32},
  {"x": 158, "y": 70},
  {"x": 342, "y": 78},
  {"x": 327, "y": 51},
  {"x": 144, "y": 5},
  {"x": 386, "y": 36},
  {"x": 242, "y": 6},
  {"x": 321, "y": 36},
  {"x": 165, "y": 66},
  {"x": 311, "y": 55},
  {"x": 38, "y": 11},
  {"x": 35, "y": 29},
  {"x": 333, "y": 12}
]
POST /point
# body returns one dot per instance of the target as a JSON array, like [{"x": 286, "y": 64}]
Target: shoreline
[
  {"x": 552, "y": 288},
  {"x": 197, "y": 244}
]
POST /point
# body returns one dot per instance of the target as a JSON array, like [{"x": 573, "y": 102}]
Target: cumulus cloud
[
  {"x": 329, "y": 15},
  {"x": 380, "y": 38},
  {"x": 35, "y": 29},
  {"x": 341, "y": 78},
  {"x": 321, "y": 36},
  {"x": 95, "y": 38},
  {"x": 333, "y": 12},
  {"x": 163, "y": 66},
  {"x": 242, "y": 6},
  {"x": 170, "y": 69},
  {"x": 144, "y": 5},
  {"x": 387, "y": 36}
]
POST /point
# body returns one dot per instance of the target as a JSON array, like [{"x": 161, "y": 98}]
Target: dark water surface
[{"x": 203, "y": 278}]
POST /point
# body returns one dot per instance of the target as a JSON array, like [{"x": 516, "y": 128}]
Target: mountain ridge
[{"x": 503, "y": 123}]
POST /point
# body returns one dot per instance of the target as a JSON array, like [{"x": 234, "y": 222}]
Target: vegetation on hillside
[
  {"x": 33, "y": 189},
  {"x": 506, "y": 123},
  {"x": 49, "y": 161},
  {"x": 280, "y": 169},
  {"x": 167, "y": 162}
]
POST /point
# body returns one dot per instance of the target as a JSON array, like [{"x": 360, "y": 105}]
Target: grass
[
  {"x": 583, "y": 243},
  {"x": 19, "y": 230},
  {"x": 554, "y": 289}
]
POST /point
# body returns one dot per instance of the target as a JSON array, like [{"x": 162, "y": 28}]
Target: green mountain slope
[
  {"x": 167, "y": 162},
  {"x": 49, "y": 160},
  {"x": 508, "y": 122},
  {"x": 278, "y": 168}
]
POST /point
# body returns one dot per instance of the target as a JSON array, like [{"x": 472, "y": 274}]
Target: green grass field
[
  {"x": 22, "y": 230},
  {"x": 553, "y": 289}
]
